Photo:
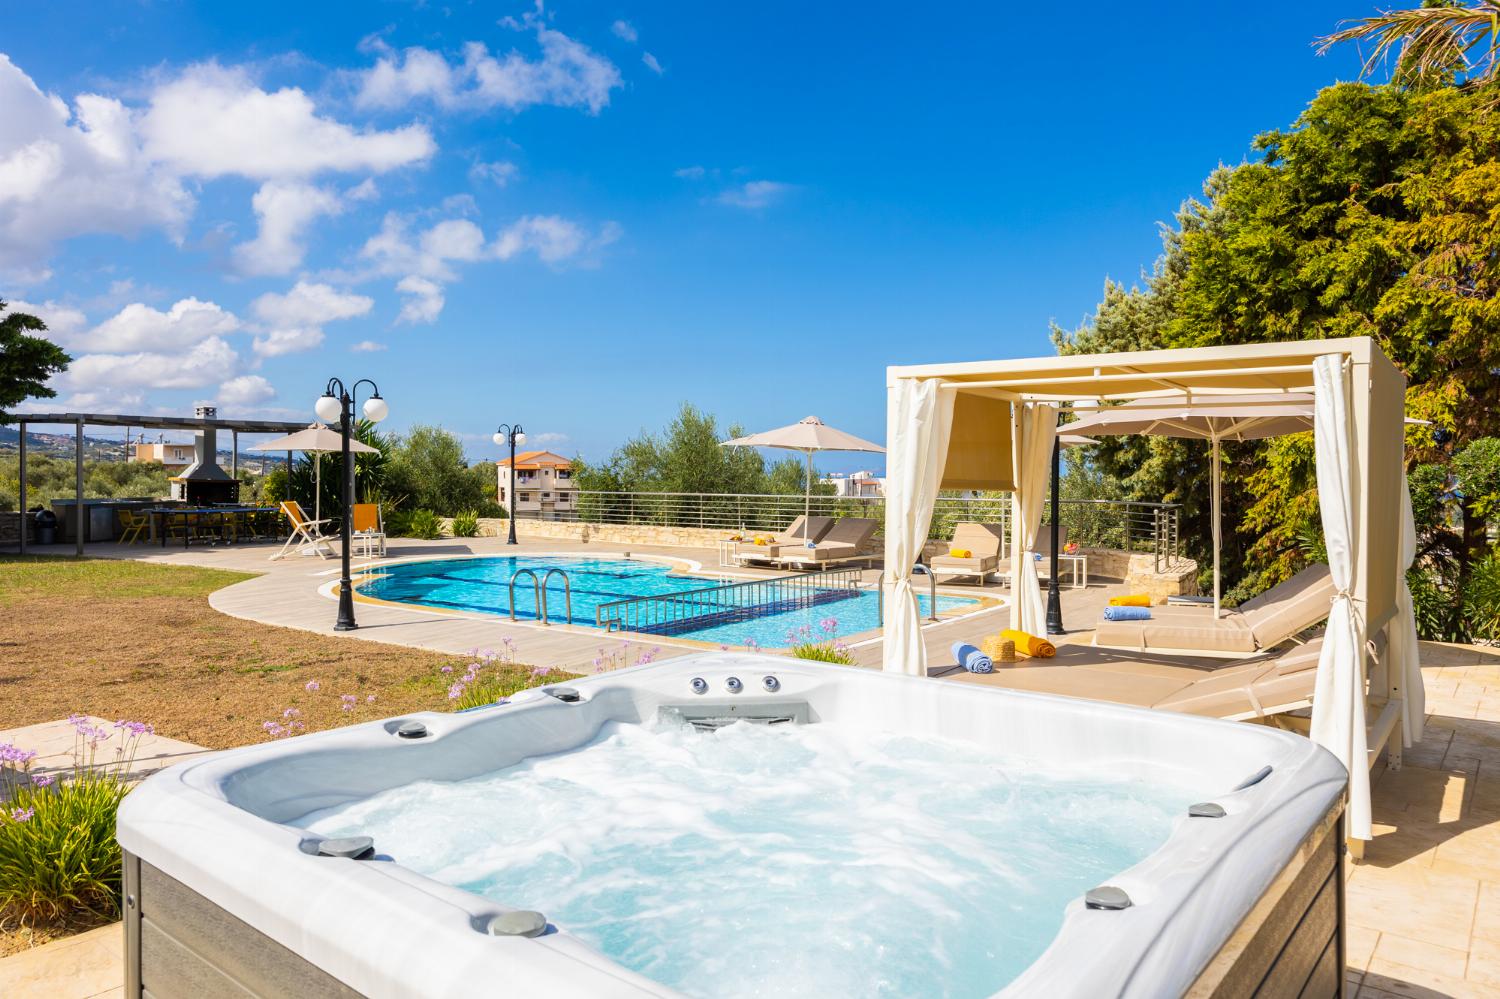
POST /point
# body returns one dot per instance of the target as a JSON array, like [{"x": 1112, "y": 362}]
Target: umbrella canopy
[
  {"x": 1207, "y": 418},
  {"x": 316, "y": 439},
  {"x": 806, "y": 435}
]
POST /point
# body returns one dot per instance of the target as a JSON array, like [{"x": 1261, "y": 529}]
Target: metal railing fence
[
  {"x": 1125, "y": 525},
  {"x": 673, "y": 613}
]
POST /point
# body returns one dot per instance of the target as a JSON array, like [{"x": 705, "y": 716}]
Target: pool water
[
  {"x": 792, "y": 861},
  {"x": 483, "y": 585}
]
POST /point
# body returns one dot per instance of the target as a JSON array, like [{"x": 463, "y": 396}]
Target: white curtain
[
  {"x": 1403, "y": 656},
  {"x": 1338, "y": 720},
  {"x": 1033, "y": 430},
  {"x": 919, "y": 415}
]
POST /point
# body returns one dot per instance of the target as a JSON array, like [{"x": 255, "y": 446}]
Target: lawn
[{"x": 122, "y": 639}]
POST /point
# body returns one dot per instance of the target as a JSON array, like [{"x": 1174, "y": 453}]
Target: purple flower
[
  {"x": 44, "y": 780},
  {"x": 135, "y": 728},
  {"x": 10, "y": 753},
  {"x": 370, "y": 699},
  {"x": 347, "y": 702},
  {"x": 291, "y": 713},
  {"x": 273, "y": 729},
  {"x": 455, "y": 692},
  {"x": 829, "y": 625},
  {"x": 312, "y": 687},
  {"x": 22, "y": 814}
]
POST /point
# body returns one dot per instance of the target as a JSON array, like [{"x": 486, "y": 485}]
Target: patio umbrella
[
  {"x": 315, "y": 440},
  {"x": 1210, "y": 418},
  {"x": 807, "y": 435}
]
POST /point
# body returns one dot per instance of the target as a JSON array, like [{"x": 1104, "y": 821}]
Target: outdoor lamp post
[
  {"x": 1054, "y": 596},
  {"x": 337, "y": 403},
  {"x": 512, "y": 435}
]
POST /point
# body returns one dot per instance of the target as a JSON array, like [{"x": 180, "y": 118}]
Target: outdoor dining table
[{"x": 162, "y": 517}]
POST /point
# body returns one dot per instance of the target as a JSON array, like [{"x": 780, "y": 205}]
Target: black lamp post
[
  {"x": 337, "y": 403},
  {"x": 1054, "y": 596},
  {"x": 511, "y": 434}
]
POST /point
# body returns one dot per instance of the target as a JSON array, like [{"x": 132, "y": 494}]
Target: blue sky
[{"x": 578, "y": 217}]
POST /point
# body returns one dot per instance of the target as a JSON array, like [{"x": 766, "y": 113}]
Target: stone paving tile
[{"x": 79, "y": 967}]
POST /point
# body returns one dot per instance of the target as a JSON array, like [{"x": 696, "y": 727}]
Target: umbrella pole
[
  {"x": 807, "y": 499},
  {"x": 1218, "y": 514},
  {"x": 317, "y": 485}
]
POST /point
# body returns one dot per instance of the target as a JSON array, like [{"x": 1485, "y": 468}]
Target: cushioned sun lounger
[
  {"x": 845, "y": 541},
  {"x": 1043, "y": 547},
  {"x": 982, "y": 541},
  {"x": 1256, "y": 625},
  {"x": 792, "y": 535}
]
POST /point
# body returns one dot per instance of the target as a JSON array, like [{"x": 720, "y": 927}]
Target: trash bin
[{"x": 45, "y": 524}]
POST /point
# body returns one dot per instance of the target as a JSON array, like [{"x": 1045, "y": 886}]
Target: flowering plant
[
  {"x": 58, "y": 854},
  {"x": 826, "y": 648}
]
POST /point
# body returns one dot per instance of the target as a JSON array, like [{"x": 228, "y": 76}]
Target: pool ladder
[
  {"x": 539, "y": 591},
  {"x": 918, "y": 569}
]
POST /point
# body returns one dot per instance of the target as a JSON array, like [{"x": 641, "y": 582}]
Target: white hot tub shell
[{"x": 222, "y": 895}]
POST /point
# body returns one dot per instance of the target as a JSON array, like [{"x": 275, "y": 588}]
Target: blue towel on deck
[
  {"x": 971, "y": 659},
  {"x": 1127, "y": 613}
]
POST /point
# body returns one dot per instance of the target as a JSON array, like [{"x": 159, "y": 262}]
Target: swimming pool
[{"x": 482, "y": 585}]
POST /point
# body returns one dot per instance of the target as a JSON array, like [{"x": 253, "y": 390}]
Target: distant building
[
  {"x": 857, "y": 485},
  {"x": 543, "y": 483},
  {"x": 175, "y": 456}
]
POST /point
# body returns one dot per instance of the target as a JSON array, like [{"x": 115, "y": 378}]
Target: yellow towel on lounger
[
  {"x": 1131, "y": 600},
  {"x": 1029, "y": 645},
  {"x": 960, "y": 553}
]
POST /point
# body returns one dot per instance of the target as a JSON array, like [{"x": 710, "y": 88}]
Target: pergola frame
[{"x": 80, "y": 420}]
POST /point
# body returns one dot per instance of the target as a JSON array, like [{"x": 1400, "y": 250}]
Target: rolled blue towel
[
  {"x": 1127, "y": 613},
  {"x": 971, "y": 659}
]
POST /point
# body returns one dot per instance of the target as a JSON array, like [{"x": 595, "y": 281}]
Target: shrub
[
  {"x": 826, "y": 649},
  {"x": 423, "y": 524},
  {"x": 492, "y": 677},
  {"x": 1482, "y": 599},
  {"x": 397, "y": 522},
  {"x": 58, "y": 854},
  {"x": 466, "y": 524}
]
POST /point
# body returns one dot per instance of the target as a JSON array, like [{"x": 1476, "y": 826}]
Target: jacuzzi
[{"x": 230, "y": 888}]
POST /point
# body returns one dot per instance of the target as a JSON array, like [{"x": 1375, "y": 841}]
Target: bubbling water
[{"x": 780, "y": 861}]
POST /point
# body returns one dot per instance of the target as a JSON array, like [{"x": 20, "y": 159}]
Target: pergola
[
  {"x": 991, "y": 425},
  {"x": 81, "y": 420}
]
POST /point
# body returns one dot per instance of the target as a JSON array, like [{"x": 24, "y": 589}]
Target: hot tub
[{"x": 725, "y": 824}]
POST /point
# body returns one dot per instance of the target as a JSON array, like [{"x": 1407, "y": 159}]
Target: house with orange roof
[{"x": 543, "y": 484}]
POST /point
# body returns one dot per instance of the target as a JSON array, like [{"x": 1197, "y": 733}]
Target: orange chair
[
  {"x": 307, "y": 535},
  {"x": 367, "y": 530}
]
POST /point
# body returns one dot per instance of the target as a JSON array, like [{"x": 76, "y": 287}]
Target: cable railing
[
  {"x": 1125, "y": 525},
  {"x": 674, "y": 613}
]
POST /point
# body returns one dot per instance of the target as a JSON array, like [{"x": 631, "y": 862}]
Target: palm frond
[{"x": 1429, "y": 44}]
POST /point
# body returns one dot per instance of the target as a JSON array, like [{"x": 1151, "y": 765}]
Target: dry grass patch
[{"x": 122, "y": 639}]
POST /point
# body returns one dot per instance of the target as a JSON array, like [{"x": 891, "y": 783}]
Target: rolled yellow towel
[
  {"x": 960, "y": 553},
  {"x": 1131, "y": 600},
  {"x": 1029, "y": 645}
]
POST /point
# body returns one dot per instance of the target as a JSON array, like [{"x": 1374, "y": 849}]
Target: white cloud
[
  {"x": 394, "y": 251},
  {"x": 547, "y": 438},
  {"x": 652, "y": 64},
  {"x": 214, "y": 121},
  {"x": 246, "y": 390},
  {"x": 365, "y": 190},
  {"x": 423, "y": 301},
  {"x": 499, "y": 173},
  {"x": 293, "y": 322},
  {"x": 67, "y": 171},
  {"x": 567, "y": 73},
  {"x": 139, "y": 327},
  {"x": 367, "y": 347},
  {"x": 756, "y": 194},
  {"x": 206, "y": 363},
  {"x": 100, "y": 166},
  {"x": 284, "y": 210},
  {"x": 551, "y": 237},
  {"x": 690, "y": 173},
  {"x": 64, "y": 323},
  {"x": 625, "y": 31}
]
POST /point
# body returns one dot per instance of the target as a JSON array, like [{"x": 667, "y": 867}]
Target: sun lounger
[
  {"x": 845, "y": 541},
  {"x": 307, "y": 534},
  {"x": 1258, "y": 624},
  {"x": 1043, "y": 548},
  {"x": 983, "y": 541},
  {"x": 749, "y": 551}
]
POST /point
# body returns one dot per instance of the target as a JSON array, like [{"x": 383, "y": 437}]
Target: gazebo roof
[{"x": 161, "y": 422}]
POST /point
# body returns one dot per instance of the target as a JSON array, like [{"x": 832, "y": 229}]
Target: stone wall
[{"x": 10, "y": 528}]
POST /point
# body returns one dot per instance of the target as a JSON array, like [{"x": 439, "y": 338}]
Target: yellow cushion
[
  {"x": 1131, "y": 600},
  {"x": 960, "y": 553},
  {"x": 762, "y": 542}
]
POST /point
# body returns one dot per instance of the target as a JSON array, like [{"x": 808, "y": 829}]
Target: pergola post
[
  {"x": 21, "y": 458},
  {"x": 80, "y": 514},
  {"x": 234, "y": 455}
]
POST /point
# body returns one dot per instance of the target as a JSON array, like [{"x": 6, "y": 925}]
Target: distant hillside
[{"x": 100, "y": 449}]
